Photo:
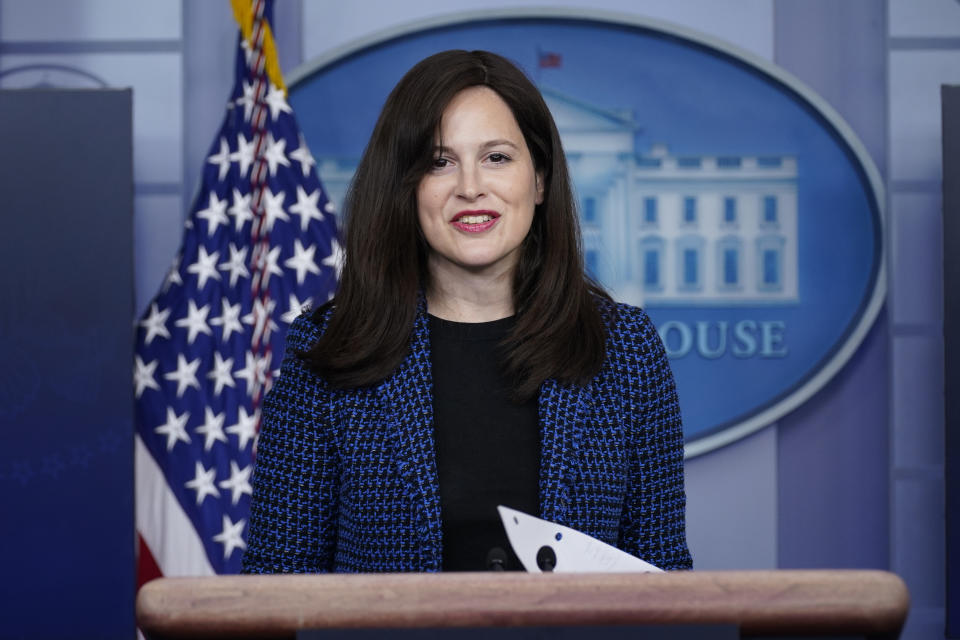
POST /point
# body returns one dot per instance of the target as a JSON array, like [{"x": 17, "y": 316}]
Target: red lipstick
[{"x": 475, "y": 221}]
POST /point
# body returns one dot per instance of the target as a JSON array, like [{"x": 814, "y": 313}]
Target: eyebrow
[{"x": 486, "y": 145}]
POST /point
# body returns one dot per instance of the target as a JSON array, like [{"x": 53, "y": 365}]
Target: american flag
[
  {"x": 259, "y": 244},
  {"x": 549, "y": 59}
]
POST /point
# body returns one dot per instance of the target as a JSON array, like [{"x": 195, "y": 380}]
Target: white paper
[{"x": 575, "y": 552}]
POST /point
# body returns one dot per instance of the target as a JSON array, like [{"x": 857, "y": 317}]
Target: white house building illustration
[{"x": 664, "y": 229}]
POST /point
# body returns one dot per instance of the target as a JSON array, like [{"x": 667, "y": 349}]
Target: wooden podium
[{"x": 870, "y": 604}]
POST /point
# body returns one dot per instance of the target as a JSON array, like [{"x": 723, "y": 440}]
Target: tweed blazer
[{"x": 346, "y": 480}]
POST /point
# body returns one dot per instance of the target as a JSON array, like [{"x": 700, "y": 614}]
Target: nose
[{"x": 469, "y": 185}]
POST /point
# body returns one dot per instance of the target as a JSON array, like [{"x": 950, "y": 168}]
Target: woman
[{"x": 467, "y": 360}]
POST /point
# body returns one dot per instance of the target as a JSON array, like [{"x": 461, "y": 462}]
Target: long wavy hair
[{"x": 559, "y": 332}]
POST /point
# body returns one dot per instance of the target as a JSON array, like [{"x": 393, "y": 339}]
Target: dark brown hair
[{"x": 559, "y": 332}]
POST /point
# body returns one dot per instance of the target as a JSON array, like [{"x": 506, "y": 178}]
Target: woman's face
[{"x": 476, "y": 203}]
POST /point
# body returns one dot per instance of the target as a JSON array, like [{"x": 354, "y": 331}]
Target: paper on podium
[{"x": 539, "y": 542}]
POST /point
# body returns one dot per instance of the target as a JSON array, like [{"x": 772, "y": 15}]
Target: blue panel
[
  {"x": 66, "y": 464},
  {"x": 833, "y": 460},
  {"x": 833, "y": 469},
  {"x": 951, "y": 331}
]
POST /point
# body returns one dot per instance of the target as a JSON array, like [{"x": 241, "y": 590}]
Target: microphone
[
  {"x": 546, "y": 559},
  {"x": 496, "y": 559}
]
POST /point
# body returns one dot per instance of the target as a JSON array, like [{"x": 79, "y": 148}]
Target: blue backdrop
[{"x": 66, "y": 334}]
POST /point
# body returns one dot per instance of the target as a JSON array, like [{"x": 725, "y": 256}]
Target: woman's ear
[{"x": 539, "y": 184}]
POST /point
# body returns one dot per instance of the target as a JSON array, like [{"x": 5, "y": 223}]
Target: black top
[{"x": 488, "y": 447}]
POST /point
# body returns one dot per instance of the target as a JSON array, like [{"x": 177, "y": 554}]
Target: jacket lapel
[
  {"x": 562, "y": 409},
  {"x": 408, "y": 403}
]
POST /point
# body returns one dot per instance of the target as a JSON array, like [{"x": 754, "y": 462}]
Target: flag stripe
[
  {"x": 147, "y": 568},
  {"x": 164, "y": 527}
]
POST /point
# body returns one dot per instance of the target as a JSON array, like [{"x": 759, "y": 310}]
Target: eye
[
  {"x": 440, "y": 163},
  {"x": 498, "y": 158}
]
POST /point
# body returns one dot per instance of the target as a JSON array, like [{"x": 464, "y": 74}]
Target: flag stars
[
  {"x": 195, "y": 322},
  {"x": 173, "y": 276},
  {"x": 221, "y": 159},
  {"x": 143, "y": 376},
  {"x": 273, "y": 208},
  {"x": 155, "y": 323},
  {"x": 215, "y": 214},
  {"x": 236, "y": 265},
  {"x": 335, "y": 259},
  {"x": 302, "y": 155},
  {"x": 246, "y": 427},
  {"x": 220, "y": 374},
  {"x": 306, "y": 207},
  {"x": 240, "y": 210},
  {"x": 202, "y": 482},
  {"x": 185, "y": 374},
  {"x": 302, "y": 261},
  {"x": 212, "y": 428},
  {"x": 239, "y": 482},
  {"x": 277, "y": 102},
  {"x": 247, "y": 51},
  {"x": 254, "y": 372},
  {"x": 175, "y": 428},
  {"x": 246, "y": 101},
  {"x": 269, "y": 265},
  {"x": 231, "y": 537},
  {"x": 266, "y": 264},
  {"x": 243, "y": 154},
  {"x": 205, "y": 267},
  {"x": 275, "y": 154},
  {"x": 295, "y": 309},
  {"x": 229, "y": 319}
]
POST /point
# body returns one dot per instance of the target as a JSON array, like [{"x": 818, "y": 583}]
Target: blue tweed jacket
[{"x": 346, "y": 480}]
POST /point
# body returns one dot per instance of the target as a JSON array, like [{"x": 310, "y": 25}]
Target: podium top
[{"x": 863, "y": 603}]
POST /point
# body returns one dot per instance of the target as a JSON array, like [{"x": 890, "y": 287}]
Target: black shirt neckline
[{"x": 472, "y": 331}]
